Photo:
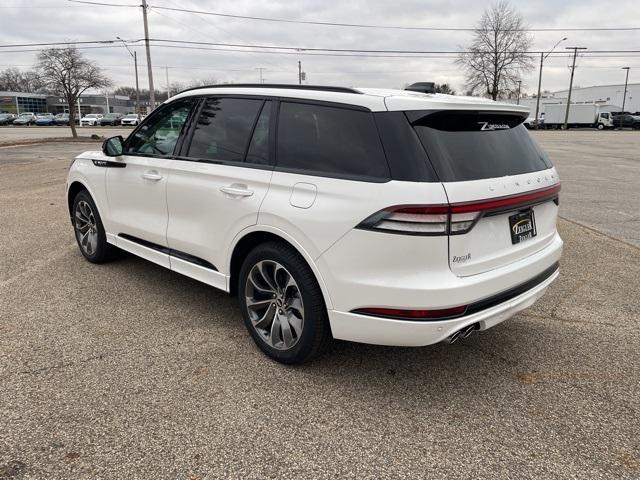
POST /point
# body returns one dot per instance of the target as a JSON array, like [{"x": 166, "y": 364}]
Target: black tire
[
  {"x": 102, "y": 251},
  {"x": 315, "y": 334}
]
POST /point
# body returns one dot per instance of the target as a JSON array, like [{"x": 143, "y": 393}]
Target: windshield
[
  {"x": 474, "y": 145},
  {"x": 131, "y": 115},
  {"x": 111, "y": 115},
  {"x": 26, "y": 114}
]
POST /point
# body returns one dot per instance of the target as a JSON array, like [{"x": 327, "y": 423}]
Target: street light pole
[
  {"x": 573, "y": 68},
  {"x": 519, "y": 85},
  {"x": 134, "y": 54},
  {"x": 542, "y": 59},
  {"x": 152, "y": 95},
  {"x": 626, "y": 81}
]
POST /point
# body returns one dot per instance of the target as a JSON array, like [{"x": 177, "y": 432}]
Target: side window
[
  {"x": 330, "y": 141},
  {"x": 223, "y": 129},
  {"x": 159, "y": 135},
  {"x": 259, "y": 147}
]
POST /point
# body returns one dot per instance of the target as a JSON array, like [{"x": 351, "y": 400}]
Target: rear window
[
  {"x": 475, "y": 145},
  {"x": 330, "y": 141},
  {"x": 224, "y": 128}
]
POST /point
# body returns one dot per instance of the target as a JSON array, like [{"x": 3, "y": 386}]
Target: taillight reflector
[{"x": 398, "y": 313}]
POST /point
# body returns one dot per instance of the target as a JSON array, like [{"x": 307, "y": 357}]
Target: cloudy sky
[{"x": 35, "y": 21}]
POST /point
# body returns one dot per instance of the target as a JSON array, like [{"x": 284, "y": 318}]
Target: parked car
[
  {"x": 63, "y": 119},
  {"x": 7, "y": 118},
  {"x": 626, "y": 121},
  {"x": 45, "y": 119},
  {"x": 90, "y": 120},
  {"x": 26, "y": 118},
  {"x": 111, "y": 119},
  {"x": 376, "y": 216},
  {"x": 131, "y": 119}
]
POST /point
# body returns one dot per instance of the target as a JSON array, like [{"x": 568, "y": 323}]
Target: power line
[
  {"x": 394, "y": 27},
  {"x": 103, "y": 4},
  {"x": 297, "y": 49}
]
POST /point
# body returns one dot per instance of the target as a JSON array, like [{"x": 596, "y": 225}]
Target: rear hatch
[{"x": 502, "y": 188}]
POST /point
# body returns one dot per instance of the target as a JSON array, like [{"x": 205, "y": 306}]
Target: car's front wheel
[
  {"x": 89, "y": 230},
  {"x": 282, "y": 304}
]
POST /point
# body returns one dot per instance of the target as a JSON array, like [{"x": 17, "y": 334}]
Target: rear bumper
[{"x": 385, "y": 331}]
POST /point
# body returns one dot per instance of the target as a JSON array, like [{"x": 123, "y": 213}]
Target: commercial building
[
  {"x": 610, "y": 95},
  {"x": 19, "y": 102}
]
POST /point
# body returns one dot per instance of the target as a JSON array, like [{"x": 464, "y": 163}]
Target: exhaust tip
[
  {"x": 470, "y": 330},
  {"x": 453, "y": 338}
]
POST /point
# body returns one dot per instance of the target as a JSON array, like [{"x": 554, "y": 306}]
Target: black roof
[{"x": 324, "y": 88}]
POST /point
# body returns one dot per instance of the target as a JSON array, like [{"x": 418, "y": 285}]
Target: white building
[{"x": 601, "y": 94}]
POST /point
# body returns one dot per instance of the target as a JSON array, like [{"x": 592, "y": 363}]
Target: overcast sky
[{"x": 31, "y": 21}]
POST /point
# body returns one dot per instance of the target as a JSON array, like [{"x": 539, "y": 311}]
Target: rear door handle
[
  {"x": 236, "y": 190},
  {"x": 152, "y": 175}
]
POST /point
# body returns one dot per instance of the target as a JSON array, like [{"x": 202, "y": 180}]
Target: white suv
[
  {"x": 380, "y": 216},
  {"x": 90, "y": 120}
]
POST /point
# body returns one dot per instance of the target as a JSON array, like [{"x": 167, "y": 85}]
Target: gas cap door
[{"x": 303, "y": 195}]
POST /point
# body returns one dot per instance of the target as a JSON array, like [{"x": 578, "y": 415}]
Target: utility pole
[
  {"x": 542, "y": 59},
  {"x": 573, "y": 68},
  {"x": 260, "y": 69},
  {"x": 106, "y": 96},
  {"x": 166, "y": 69},
  {"x": 134, "y": 54},
  {"x": 626, "y": 81},
  {"x": 152, "y": 96},
  {"x": 299, "y": 72},
  {"x": 519, "y": 85}
]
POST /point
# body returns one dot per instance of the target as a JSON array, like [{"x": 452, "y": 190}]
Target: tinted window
[
  {"x": 259, "y": 148},
  {"x": 159, "y": 134},
  {"x": 475, "y": 145},
  {"x": 407, "y": 159},
  {"x": 329, "y": 140},
  {"x": 223, "y": 129}
]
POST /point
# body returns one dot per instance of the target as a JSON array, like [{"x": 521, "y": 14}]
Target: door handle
[
  {"x": 236, "y": 190},
  {"x": 152, "y": 175}
]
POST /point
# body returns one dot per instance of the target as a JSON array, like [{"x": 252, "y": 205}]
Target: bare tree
[
  {"x": 69, "y": 74},
  {"x": 497, "y": 56},
  {"x": 15, "y": 80}
]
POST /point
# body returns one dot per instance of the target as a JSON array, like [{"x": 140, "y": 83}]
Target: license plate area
[{"x": 522, "y": 226}]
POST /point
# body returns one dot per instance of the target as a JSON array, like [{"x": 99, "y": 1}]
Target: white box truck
[{"x": 580, "y": 115}]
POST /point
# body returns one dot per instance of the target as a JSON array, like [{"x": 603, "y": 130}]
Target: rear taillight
[
  {"x": 421, "y": 220},
  {"x": 451, "y": 219},
  {"x": 403, "y": 314}
]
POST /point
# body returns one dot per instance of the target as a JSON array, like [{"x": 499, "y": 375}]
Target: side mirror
[{"x": 113, "y": 147}]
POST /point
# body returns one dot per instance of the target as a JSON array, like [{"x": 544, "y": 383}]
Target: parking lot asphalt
[
  {"x": 129, "y": 370},
  {"x": 600, "y": 173}
]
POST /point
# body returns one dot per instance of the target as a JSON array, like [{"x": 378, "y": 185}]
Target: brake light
[
  {"x": 398, "y": 313},
  {"x": 451, "y": 219}
]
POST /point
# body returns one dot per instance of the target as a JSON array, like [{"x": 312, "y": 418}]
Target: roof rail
[{"x": 279, "y": 85}]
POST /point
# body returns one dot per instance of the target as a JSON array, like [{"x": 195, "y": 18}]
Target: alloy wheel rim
[
  {"x": 274, "y": 304},
  {"x": 86, "y": 228}
]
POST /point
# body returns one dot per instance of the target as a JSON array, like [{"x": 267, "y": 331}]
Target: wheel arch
[
  {"x": 248, "y": 239},
  {"x": 73, "y": 190}
]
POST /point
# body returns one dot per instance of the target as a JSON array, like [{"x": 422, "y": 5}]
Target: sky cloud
[{"x": 59, "y": 20}]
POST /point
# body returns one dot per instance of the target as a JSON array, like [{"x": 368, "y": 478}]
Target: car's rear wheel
[
  {"x": 282, "y": 304},
  {"x": 89, "y": 230}
]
